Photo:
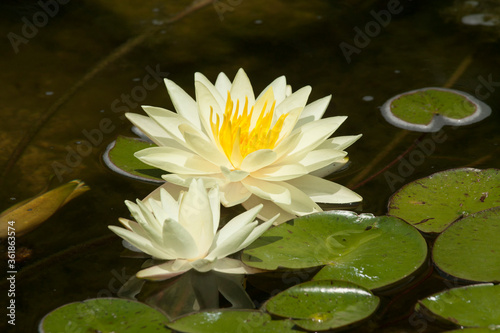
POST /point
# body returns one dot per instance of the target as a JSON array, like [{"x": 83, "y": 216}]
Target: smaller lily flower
[{"x": 184, "y": 232}]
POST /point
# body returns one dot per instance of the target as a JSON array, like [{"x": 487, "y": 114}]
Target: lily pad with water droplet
[
  {"x": 323, "y": 305},
  {"x": 428, "y": 109},
  {"x": 370, "y": 251},
  {"x": 470, "y": 249},
  {"x": 104, "y": 315},
  {"x": 434, "y": 202},
  {"x": 119, "y": 157},
  {"x": 471, "y": 306},
  {"x": 230, "y": 321}
]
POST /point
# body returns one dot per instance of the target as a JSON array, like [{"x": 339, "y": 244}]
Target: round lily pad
[
  {"x": 434, "y": 202},
  {"x": 428, "y": 109},
  {"x": 104, "y": 315},
  {"x": 230, "y": 321},
  {"x": 471, "y": 306},
  {"x": 470, "y": 249},
  {"x": 370, "y": 251},
  {"x": 325, "y": 304},
  {"x": 119, "y": 157}
]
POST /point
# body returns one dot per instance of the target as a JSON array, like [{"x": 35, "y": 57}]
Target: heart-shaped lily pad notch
[
  {"x": 471, "y": 306},
  {"x": 324, "y": 304},
  {"x": 104, "y": 315},
  {"x": 469, "y": 248},
  {"x": 370, "y": 251},
  {"x": 230, "y": 321},
  {"x": 433, "y": 203},
  {"x": 428, "y": 109},
  {"x": 119, "y": 157}
]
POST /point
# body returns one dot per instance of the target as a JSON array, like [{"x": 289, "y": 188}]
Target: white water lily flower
[
  {"x": 257, "y": 150},
  {"x": 184, "y": 232}
]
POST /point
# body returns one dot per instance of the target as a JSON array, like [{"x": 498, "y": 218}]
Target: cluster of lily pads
[
  {"x": 359, "y": 255},
  {"x": 354, "y": 258}
]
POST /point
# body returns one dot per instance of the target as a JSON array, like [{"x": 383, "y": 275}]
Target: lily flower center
[{"x": 238, "y": 137}]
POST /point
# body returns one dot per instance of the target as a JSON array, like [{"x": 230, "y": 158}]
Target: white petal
[
  {"x": 295, "y": 101},
  {"x": 313, "y": 134},
  {"x": 313, "y": 111},
  {"x": 339, "y": 142},
  {"x": 289, "y": 123},
  {"x": 287, "y": 145},
  {"x": 273, "y": 191},
  {"x": 185, "y": 180},
  {"x": 184, "y": 104},
  {"x": 258, "y": 159},
  {"x": 157, "y": 209},
  {"x": 234, "y": 226},
  {"x": 203, "y": 146},
  {"x": 195, "y": 215},
  {"x": 169, "y": 205},
  {"x": 165, "y": 271},
  {"x": 150, "y": 225},
  {"x": 223, "y": 84},
  {"x": 301, "y": 203},
  {"x": 168, "y": 120},
  {"x": 280, "y": 172},
  {"x": 179, "y": 240},
  {"x": 230, "y": 245},
  {"x": 320, "y": 158},
  {"x": 241, "y": 89},
  {"x": 176, "y": 161},
  {"x": 153, "y": 131},
  {"x": 331, "y": 168},
  {"x": 257, "y": 232},
  {"x": 208, "y": 99},
  {"x": 143, "y": 244},
  {"x": 269, "y": 210},
  {"x": 133, "y": 226},
  {"x": 279, "y": 89},
  {"x": 322, "y": 190},
  {"x": 234, "y": 175},
  {"x": 217, "y": 97},
  {"x": 233, "y": 194},
  {"x": 233, "y": 266},
  {"x": 203, "y": 265},
  {"x": 213, "y": 197}
]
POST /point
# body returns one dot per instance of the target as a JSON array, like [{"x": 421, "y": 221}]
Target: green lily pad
[
  {"x": 469, "y": 248},
  {"x": 119, "y": 157},
  {"x": 428, "y": 109},
  {"x": 431, "y": 204},
  {"x": 104, "y": 315},
  {"x": 370, "y": 251},
  {"x": 323, "y": 305},
  {"x": 471, "y": 306},
  {"x": 230, "y": 321}
]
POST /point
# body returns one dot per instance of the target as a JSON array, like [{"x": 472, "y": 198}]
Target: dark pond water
[{"x": 66, "y": 70}]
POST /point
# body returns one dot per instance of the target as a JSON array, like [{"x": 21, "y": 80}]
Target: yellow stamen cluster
[{"x": 236, "y": 135}]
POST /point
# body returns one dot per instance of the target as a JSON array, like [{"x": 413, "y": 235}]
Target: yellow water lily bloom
[
  {"x": 184, "y": 232},
  {"x": 268, "y": 149}
]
